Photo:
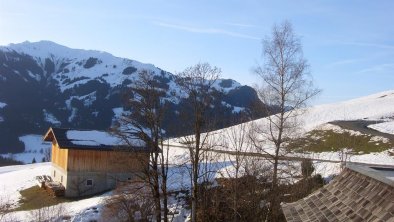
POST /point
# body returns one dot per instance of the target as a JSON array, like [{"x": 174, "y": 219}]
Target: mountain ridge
[{"x": 44, "y": 84}]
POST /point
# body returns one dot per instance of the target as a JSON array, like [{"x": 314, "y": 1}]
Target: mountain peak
[{"x": 46, "y": 48}]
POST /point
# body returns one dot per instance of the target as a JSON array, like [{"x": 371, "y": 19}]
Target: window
[
  {"x": 129, "y": 178},
  {"x": 89, "y": 182},
  {"x": 61, "y": 179},
  {"x": 54, "y": 173}
]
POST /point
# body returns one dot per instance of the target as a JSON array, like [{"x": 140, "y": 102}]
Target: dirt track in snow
[{"x": 362, "y": 127}]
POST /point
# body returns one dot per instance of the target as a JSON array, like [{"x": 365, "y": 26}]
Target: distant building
[
  {"x": 87, "y": 162},
  {"x": 360, "y": 193}
]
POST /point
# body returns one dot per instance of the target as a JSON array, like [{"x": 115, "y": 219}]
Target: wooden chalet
[{"x": 87, "y": 162}]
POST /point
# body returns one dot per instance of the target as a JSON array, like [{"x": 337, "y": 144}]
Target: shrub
[
  {"x": 307, "y": 168},
  {"x": 90, "y": 63},
  {"x": 129, "y": 70},
  {"x": 226, "y": 83}
]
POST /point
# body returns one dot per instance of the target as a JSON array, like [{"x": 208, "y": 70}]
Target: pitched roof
[
  {"x": 90, "y": 140},
  {"x": 359, "y": 193}
]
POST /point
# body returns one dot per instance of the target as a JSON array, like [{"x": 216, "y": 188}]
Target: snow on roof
[
  {"x": 96, "y": 138},
  {"x": 90, "y": 139}
]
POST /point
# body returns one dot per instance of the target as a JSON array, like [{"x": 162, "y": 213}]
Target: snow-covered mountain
[{"x": 44, "y": 84}]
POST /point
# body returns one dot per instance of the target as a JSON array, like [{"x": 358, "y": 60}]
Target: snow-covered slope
[
  {"x": 35, "y": 149},
  {"x": 376, "y": 107},
  {"x": 16, "y": 178},
  {"x": 379, "y": 106},
  {"x": 386, "y": 127},
  {"x": 91, "y": 64},
  {"x": 45, "y": 84},
  {"x": 81, "y": 64}
]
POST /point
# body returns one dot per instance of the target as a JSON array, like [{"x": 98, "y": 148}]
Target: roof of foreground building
[
  {"x": 358, "y": 193},
  {"x": 92, "y": 140}
]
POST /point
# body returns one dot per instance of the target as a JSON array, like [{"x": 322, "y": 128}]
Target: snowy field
[
  {"x": 386, "y": 127},
  {"x": 34, "y": 149},
  {"x": 16, "y": 178}
]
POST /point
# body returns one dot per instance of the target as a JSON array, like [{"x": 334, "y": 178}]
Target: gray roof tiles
[{"x": 351, "y": 196}]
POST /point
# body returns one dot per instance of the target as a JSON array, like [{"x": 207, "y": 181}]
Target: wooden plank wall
[
  {"x": 59, "y": 156},
  {"x": 106, "y": 161}
]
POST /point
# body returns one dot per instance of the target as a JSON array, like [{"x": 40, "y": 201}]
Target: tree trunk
[
  {"x": 195, "y": 171},
  {"x": 164, "y": 188},
  {"x": 274, "y": 193},
  {"x": 195, "y": 190},
  {"x": 235, "y": 201},
  {"x": 156, "y": 187}
]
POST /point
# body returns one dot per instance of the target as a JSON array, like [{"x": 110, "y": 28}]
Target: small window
[
  {"x": 61, "y": 179},
  {"x": 129, "y": 178},
  {"x": 54, "y": 173},
  {"x": 89, "y": 182}
]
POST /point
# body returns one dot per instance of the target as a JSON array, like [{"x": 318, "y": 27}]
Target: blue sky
[{"x": 349, "y": 44}]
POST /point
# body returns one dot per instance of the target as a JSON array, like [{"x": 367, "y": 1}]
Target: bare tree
[
  {"x": 49, "y": 213},
  {"x": 197, "y": 82},
  {"x": 147, "y": 105},
  {"x": 236, "y": 138},
  {"x": 5, "y": 208},
  {"x": 132, "y": 201},
  {"x": 47, "y": 154},
  {"x": 286, "y": 87}
]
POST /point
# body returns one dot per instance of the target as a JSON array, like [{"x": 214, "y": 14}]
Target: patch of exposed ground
[
  {"x": 36, "y": 198},
  {"x": 334, "y": 140}
]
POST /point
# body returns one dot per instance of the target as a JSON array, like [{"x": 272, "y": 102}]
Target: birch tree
[{"x": 285, "y": 87}]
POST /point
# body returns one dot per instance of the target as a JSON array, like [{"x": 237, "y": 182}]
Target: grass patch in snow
[
  {"x": 36, "y": 198},
  {"x": 329, "y": 140}
]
